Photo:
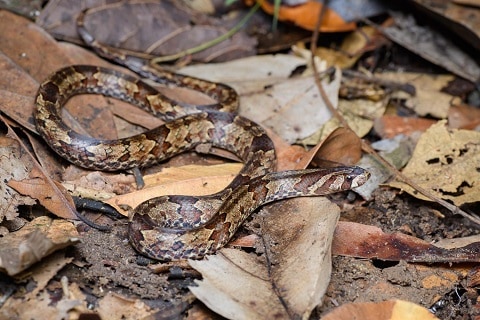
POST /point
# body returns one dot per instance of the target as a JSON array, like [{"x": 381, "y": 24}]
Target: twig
[
  {"x": 366, "y": 147},
  {"x": 405, "y": 87},
  {"x": 210, "y": 43}
]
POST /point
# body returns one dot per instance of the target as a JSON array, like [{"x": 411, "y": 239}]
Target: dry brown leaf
[
  {"x": 473, "y": 279},
  {"x": 389, "y": 126},
  {"x": 25, "y": 69},
  {"x": 464, "y": 117},
  {"x": 186, "y": 180},
  {"x": 39, "y": 238},
  {"x": 59, "y": 17},
  {"x": 446, "y": 163},
  {"x": 236, "y": 285},
  {"x": 46, "y": 269},
  {"x": 352, "y": 48},
  {"x": 428, "y": 100},
  {"x": 460, "y": 17},
  {"x": 289, "y": 156},
  {"x": 116, "y": 307},
  {"x": 387, "y": 310},
  {"x": 341, "y": 146},
  {"x": 457, "y": 242},
  {"x": 249, "y": 75},
  {"x": 96, "y": 184},
  {"x": 47, "y": 304},
  {"x": 241, "y": 286},
  {"x": 43, "y": 304},
  {"x": 39, "y": 188},
  {"x": 433, "y": 45},
  {"x": 364, "y": 241},
  {"x": 19, "y": 84},
  {"x": 295, "y": 110},
  {"x": 148, "y": 27}
]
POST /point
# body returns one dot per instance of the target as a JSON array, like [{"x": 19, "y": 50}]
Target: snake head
[{"x": 357, "y": 177}]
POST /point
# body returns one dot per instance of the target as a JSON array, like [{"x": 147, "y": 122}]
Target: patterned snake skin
[{"x": 180, "y": 227}]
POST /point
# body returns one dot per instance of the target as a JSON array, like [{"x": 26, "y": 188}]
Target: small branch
[
  {"x": 367, "y": 148},
  {"x": 210, "y": 43}
]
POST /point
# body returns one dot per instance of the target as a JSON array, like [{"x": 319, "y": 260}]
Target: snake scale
[{"x": 180, "y": 227}]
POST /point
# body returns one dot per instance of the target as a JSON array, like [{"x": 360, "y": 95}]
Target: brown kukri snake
[{"x": 180, "y": 227}]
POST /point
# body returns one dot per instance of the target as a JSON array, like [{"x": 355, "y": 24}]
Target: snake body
[{"x": 180, "y": 227}]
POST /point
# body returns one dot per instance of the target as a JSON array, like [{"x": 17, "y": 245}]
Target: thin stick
[
  {"x": 367, "y": 148},
  {"x": 210, "y": 43}
]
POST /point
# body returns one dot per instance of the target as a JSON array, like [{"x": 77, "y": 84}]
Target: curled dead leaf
[{"x": 341, "y": 146}]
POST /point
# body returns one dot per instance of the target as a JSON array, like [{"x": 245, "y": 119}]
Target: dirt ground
[{"x": 105, "y": 262}]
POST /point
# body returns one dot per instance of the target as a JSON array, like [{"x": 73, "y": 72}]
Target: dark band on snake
[{"x": 181, "y": 227}]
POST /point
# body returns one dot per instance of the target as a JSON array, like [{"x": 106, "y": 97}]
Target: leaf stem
[{"x": 210, "y": 43}]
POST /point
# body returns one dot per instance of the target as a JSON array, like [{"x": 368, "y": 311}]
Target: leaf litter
[
  {"x": 447, "y": 162},
  {"x": 104, "y": 262}
]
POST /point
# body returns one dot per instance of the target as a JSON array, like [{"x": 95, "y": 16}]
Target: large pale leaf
[
  {"x": 293, "y": 278},
  {"x": 290, "y": 106}
]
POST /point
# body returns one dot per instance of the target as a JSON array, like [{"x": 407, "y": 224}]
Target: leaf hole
[
  {"x": 458, "y": 192},
  {"x": 383, "y": 264},
  {"x": 463, "y": 151}
]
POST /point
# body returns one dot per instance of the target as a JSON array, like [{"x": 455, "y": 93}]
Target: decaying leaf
[
  {"x": 249, "y": 75},
  {"x": 293, "y": 278},
  {"x": 294, "y": 101},
  {"x": 114, "y": 306},
  {"x": 12, "y": 166},
  {"x": 39, "y": 188},
  {"x": 46, "y": 269},
  {"x": 358, "y": 113},
  {"x": 42, "y": 236},
  {"x": 363, "y": 241},
  {"x": 71, "y": 304},
  {"x": 148, "y": 27},
  {"x": 352, "y": 48},
  {"x": 97, "y": 185},
  {"x": 428, "y": 99},
  {"x": 446, "y": 163},
  {"x": 463, "y": 117},
  {"x": 237, "y": 286},
  {"x": 392, "y": 310},
  {"x": 433, "y": 46}
]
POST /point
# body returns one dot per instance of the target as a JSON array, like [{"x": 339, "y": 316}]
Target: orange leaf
[{"x": 306, "y": 15}]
